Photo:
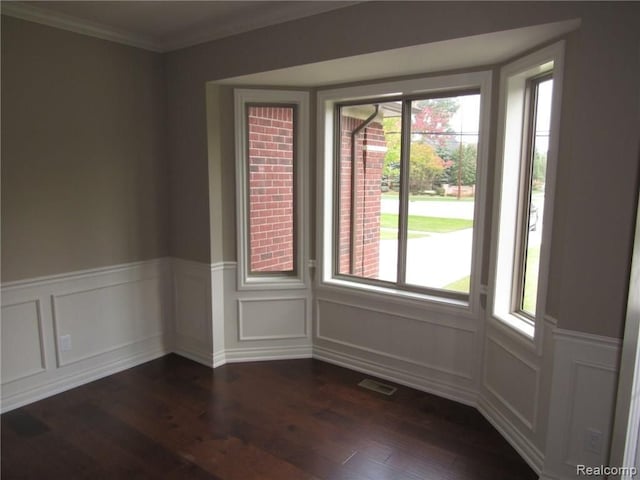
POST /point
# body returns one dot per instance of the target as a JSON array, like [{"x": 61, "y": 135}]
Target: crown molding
[
  {"x": 241, "y": 23},
  {"x": 201, "y": 33},
  {"x": 76, "y": 25}
]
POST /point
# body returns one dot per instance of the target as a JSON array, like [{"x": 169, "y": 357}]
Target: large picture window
[
  {"x": 406, "y": 177},
  {"x": 407, "y": 184}
]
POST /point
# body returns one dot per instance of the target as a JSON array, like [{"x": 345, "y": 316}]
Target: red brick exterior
[
  {"x": 369, "y": 165},
  {"x": 271, "y": 182}
]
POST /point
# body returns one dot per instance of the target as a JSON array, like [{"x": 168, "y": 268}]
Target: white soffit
[
  {"x": 467, "y": 52},
  {"x": 163, "y": 26}
]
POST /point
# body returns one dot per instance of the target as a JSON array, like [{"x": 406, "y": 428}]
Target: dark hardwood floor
[{"x": 295, "y": 419}]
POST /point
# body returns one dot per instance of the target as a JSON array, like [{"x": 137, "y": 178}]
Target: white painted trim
[
  {"x": 300, "y": 99},
  {"x": 195, "y": 354},
  {"x": 81, "y": 274},
  {"x": 588, "y": 338},
  {"x": 626, "y": 430},
  {"x": 272, "y": 15},
  {"x": 523, "y": 445},
  {"x": 396, "y": 357},
  {"x": 62, "y": 21},
  {"x": 43, "y": 352},
  {"x": 54, "y": 315},
  {"x": 218, "y": 266},
  {"x": 258, "y": 354},
  {"x": 57, "y": 375},
  {"x": 326, "y": 100},
  {"x": 80, "y": 378},
  {"x": 530, "y": 424},
  {"x": 505, "y": 214},
  {"x": 463, "y": 326},
  {"x": 243, "y": 337},
  {"x": 551, "y": 320},
  {"x": 567, "y": 421},
  {"x": 368, "y": 292},
  {"x": 436, "y": 387},
  {"x": 380, "y": 353}
]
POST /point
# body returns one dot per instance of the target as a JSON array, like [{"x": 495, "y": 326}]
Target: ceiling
[
  {"x": 165, "y": 25},
  {"x": 169, "y": 25},
  {"x": 468, "y": 52}
]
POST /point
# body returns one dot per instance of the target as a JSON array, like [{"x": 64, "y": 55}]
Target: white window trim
[
  {"x": 326, "y": 101},
  {"x": 513, "y": 80},
  {"x": 247, "y": 281}
]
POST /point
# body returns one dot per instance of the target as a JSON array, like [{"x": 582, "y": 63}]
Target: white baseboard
[
  {"x": 114, "y": 318},
  {"x": 452, "y": 392},
  {"x": 527, "y": 450},
  {"x": 258, "y": 354},
  {"x": 67, "y": 382}
]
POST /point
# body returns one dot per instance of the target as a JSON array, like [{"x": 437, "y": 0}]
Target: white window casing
[
  {"x": 509, "y": 173},
  {"x": 274, "y": 280}
]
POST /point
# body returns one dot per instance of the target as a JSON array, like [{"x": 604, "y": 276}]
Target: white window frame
[
  {"x": 326, "y": 102},
  {"x": 273, "y": 280},
  {"x": 507, "y": 215}
]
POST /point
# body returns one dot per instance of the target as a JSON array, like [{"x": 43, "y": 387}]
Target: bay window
[{"x": 403, "y": 167}]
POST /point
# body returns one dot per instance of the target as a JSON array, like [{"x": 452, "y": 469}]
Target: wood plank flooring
[{"x": 293, "y": 419}]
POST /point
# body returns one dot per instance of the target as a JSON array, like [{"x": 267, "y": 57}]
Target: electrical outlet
[
  {"x": 593, "y": 441},
  {"x": 65, "y": 343}
]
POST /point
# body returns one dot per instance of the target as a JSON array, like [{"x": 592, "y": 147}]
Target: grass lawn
[
  {"x": 427, "y": 198},
  {"x": 392, "y": 234},
  {"x": 427, "y": 224},
  {"x": 461, "y": 285},
  {"x": 531, "y": 280}
]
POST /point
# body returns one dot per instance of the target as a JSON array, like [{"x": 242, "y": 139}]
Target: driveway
[{"x": 433, "y": 261}]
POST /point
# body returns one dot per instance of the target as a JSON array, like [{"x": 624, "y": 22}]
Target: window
[
  {"x": 403, "y": 173},
  {"x": 526, "y": 172},
  {"x": 269, "y": 146},
  {"x": 271, "y": 223},
  {"x": 534, "y": 173}
]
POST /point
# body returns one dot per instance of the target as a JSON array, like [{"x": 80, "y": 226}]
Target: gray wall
[
  {"x": 84, "y": 163},
  {"x": 598, "y": 169},
  {"x": 86, "y": 180}
]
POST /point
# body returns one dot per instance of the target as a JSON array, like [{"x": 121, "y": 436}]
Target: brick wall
[
  {"x": 271, "y": 175},
  {"x": 370, "y": 146}
]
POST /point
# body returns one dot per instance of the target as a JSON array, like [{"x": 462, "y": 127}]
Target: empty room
[{"x": 320, "y": 240}]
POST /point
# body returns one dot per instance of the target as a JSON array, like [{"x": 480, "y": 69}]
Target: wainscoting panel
[
  {"x": 22, "y": 341},
  {"x": 64, "y": 330},
  {"x": 272, "y": 319},
  {"x": 429, "y": 356},
  {"x": 582, "y": 402},
  {"x": 261, "y": 324},
  {"x": 192, "y": 317},
  {"x": 512, "y": 380},
  {"x": 434, "y": 347},
  {"x": 106, "y": 318}
]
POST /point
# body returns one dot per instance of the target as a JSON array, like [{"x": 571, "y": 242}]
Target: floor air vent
[{"x": 377, "y": 386}]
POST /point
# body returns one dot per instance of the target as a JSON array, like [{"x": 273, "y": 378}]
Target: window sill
[
  {"x": 516, "y": 324},
  {"x": 401, "y": 297},
  {"x": 272, "y": 283}
]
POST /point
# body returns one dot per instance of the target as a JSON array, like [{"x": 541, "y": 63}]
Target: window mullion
[{"x": 403, "y": 217}]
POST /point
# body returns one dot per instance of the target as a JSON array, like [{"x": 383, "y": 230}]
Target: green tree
[
  {"x": 469, "y": 161},
  {"x": 391, "y": 126},
  {"x": 425, "y": 166},
  {"x": 539, "y": 169}
]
